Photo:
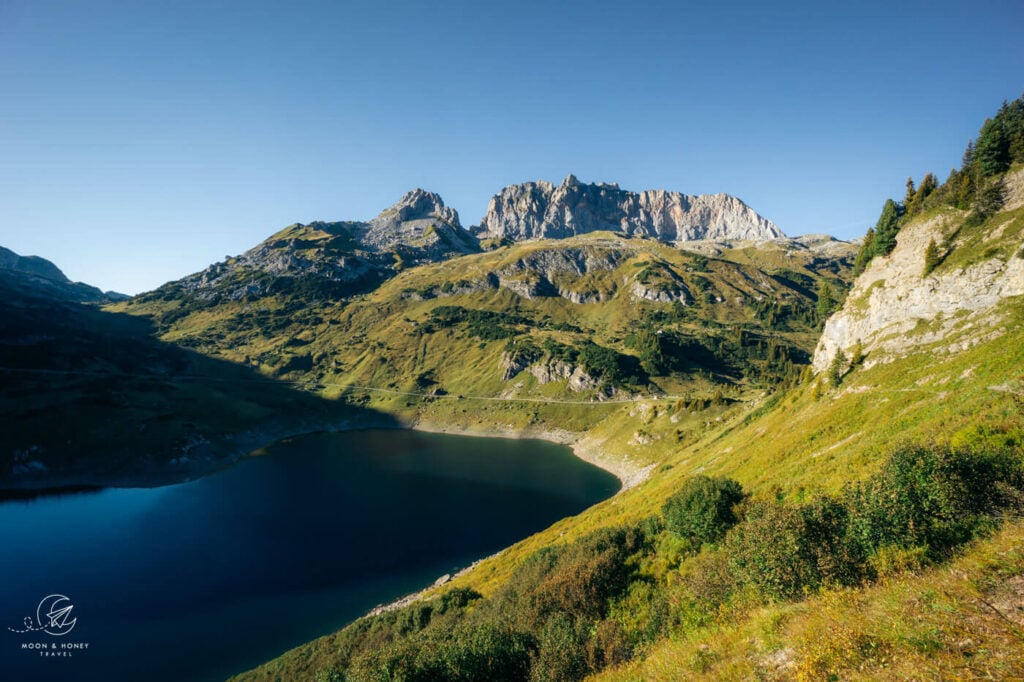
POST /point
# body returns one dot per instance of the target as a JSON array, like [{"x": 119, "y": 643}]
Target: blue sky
[{"x": 141, "y": 141}]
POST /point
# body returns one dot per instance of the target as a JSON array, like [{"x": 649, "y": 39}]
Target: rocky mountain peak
[
  {"x": 417, "y": 204},
  {"x": 342, "y": 258},
  {"x": 541, "y": 210}
]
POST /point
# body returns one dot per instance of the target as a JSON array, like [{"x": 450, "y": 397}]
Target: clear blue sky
[{"x": 143, "y": 140}]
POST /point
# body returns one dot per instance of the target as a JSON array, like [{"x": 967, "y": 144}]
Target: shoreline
[
  {"x": 213, "y": 456},
  {"x": 583, "y": 447},
  {"x": 236, "y": 447}
]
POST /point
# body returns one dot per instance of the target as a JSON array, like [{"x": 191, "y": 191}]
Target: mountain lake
[{"x": 208, "y": 578}]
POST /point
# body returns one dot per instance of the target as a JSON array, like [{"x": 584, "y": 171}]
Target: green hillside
[
  {"x": 598, "y": 318},
  {"x": 807, "y": 428},
  {"x": 863, "y": 523}
]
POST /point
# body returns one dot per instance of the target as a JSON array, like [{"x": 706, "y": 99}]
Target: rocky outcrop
[
  {"x": 419, "y": 220},
  {"x": 540, "y": 209},
  {"x": 576, "y": 378},
  {"x": 556, "y": 271},
  {"x": 893, "y": 307},
  {"x": 660, "y": 293}
]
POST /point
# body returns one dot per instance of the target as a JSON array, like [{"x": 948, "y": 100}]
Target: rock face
[
  {"x": 40, "y": 276},
  {"x": 540, "y": 209},
  {"x": 894, "y": 308},
  {"x": 419, "y": 219}
]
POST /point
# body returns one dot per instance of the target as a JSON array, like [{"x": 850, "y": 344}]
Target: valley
[{"x": 806, "y": 427}]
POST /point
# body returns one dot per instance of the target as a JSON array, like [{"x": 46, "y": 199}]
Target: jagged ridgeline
[
  {"x": 582, "y": 292},
  {"x": 414, "y": 315}
]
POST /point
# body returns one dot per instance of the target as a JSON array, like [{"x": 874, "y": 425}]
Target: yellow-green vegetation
[
  {"x": 430, "y": 341},
  {"x": 791, "y": 447},
  {"x": 865, "y": 527},
  {"x": 959, "y": 621},
  {"x": 575, "y": 608}
]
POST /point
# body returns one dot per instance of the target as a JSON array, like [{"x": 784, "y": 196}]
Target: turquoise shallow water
[{"x": 208, "y": 578}]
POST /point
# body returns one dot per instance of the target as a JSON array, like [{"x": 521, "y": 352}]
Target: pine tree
[
  {"x": 950, "y": 188},
  {"x": 866, "y": 252},
  {"x": 993, "y": 149},
  {"x": 965, "y": 191},
  {"x": 931, "y": 257},
  {"x": 887, "y": 227},
  {"x": 816, "y": 390},
  {"x": 837, "y": 368},
  {"x": 826, "y": 300},
  {"x": 967, "y": 162},
  {"x": 857, "y": 359},
  {"x": 989, "y": 199},
  {"x": 908, "y": 198},
  {"x": 928, "y": 185}
]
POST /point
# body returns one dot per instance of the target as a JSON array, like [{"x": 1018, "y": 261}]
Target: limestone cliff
[
  {"x": 540, "y": 209},
  {"x": 894, "y": 307}
]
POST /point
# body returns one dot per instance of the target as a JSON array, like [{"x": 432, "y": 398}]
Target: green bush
[
  {"x": 642, "y": 613},
  {"x": 704, "y": 508},
  {"x": 562, "y": 653},
  {"x": 933, "y": 496},
  {"x": 607, "y": 645},
  {"x": 772, "y": 551},
  {"x": 587, "y": 575},
  {"x": 784, "y": 550},
  {"x": 477, "y": 651}
]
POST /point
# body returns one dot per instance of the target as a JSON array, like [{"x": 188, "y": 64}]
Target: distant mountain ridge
[
  {"x": 540, "y": 209},
  {"x": 344, "y": 258},
  {"x": 332, "y": 259},
  {"x": 40, "y": 275}
]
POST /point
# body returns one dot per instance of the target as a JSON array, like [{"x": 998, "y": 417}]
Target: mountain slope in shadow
[{"x": 90, "y": 397}]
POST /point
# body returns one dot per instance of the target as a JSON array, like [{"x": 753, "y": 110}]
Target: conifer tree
[
  {"x": 857, "y": 357},
  {"x": 989, "y": 199},
  {"x": 866, "y": 252},
  {"x": 931, "y": 257},
  {"x": 887, "y": 227},
  {"x": 967, "y": 162},
  {"x": 826, "y": 300},
  {"x": 908, "y": 198},
  {"x": 993, "y": 149},
  {"x": 837, "y": 368},
  {"x": 965, "y": 190}
]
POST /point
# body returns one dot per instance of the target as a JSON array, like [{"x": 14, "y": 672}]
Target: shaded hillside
[
  {"x": 89, "y": 397},
  {"x": 330, "y": 260}
]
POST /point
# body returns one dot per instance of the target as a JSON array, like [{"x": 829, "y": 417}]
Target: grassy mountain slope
[
  {"x": 954, "y": 382},
  {"x": 581, "y": 320}
]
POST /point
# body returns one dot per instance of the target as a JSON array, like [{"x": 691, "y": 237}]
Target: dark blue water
[{"x": 205, "y": 579}]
